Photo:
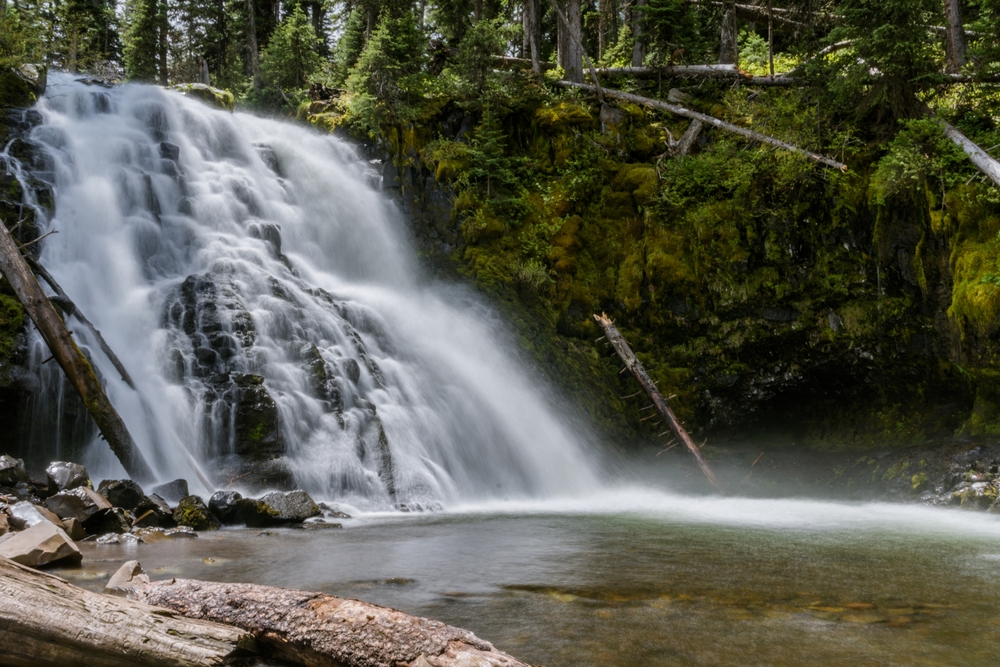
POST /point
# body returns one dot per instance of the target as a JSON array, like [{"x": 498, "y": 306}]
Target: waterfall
[{"x": 266, "y": 300}]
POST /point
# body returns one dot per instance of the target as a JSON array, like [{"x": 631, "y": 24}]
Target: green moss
[{"x": 220, "y": 99}]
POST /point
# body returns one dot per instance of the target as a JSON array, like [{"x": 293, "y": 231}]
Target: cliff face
[{"x": 775, "y": 297}]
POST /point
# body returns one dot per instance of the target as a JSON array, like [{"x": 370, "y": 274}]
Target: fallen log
[
  {"x": 976, "y": 155},
  {"x": 324, "y": 631},
  {"x": 46, "y": 621},
  {"x": 633, "y": 364},
  {"x": 65, "y": 351},
  {"x": 708, "y": 120},
  {"x": 688, "y": 138}
]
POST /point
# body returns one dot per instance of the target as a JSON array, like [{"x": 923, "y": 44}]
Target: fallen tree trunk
[
  {"x": 708, "y": 120},
  {"x": 976, "y": 155},
  {"x": 688, "y": 138},
  {"x": 46, "y": 621},
  {"x": 324, "y": 631},
  {"x": 633, "y": 364},
  {"x": 67, "y": 354},
  {"x": 756, "y": 14}
]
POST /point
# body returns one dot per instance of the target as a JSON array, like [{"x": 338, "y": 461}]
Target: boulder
[
  {"x": 173, "y": 491},
  {"x": 112, "y": 520},
  {"x": 29, "y": 515},
  {"x": 74, "y": 529},
  {"x": 191, "y": 511},
  {"x": 119, "y": 538},
  {"x": 225, "y": 506},
  {"x": 12, "y": 471},
  {"x": 63, "y": 476},
  {"x": 128, "y": 577},
  {"x": 42, "y": 544},
  {"x": 153, "y": 535},
  {"x": 122, "y": 493},
  {"x": 22, "y": 86},
  {"x": 4, "y": 525},
  {"x": 154, "y": 511},
  {"x": 277, "y": 508},
  {"x": 220, "y": 99},
  {"x": 80, "y": 503}
]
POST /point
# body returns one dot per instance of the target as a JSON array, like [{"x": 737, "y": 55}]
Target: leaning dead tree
[
  {"x": 47, "y": 622},
  {"x": 324, "y": 631},
  {"x": 973, "y": 151},
  {"x": 69, "y": 357},
  {"x": 633, "y": 364},
  {"x": 708, "y": 120}
]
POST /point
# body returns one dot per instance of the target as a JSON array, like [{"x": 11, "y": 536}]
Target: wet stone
[
  {"x": 277, "y": 508},
  {"x": 42, "y": 544},
  {"x": 173, "y": 491},
  {"x": 126, "y": 579},
  {"x": 30, "y": 515},
  {"x": 122, "y": 493},
  {"x": 80, "y": 503},
  {"x": 114, "y": 520},
  {"x": 63, "y": 476},
  {"x": 12, "y": 471},
  {"x": 153, "y": 510},
  {"x": 192, "y": 512},
  {"x": 225, "y": 506}
]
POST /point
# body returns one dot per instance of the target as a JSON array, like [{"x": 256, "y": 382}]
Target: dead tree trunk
[
  {"x": 708, "y": 120},
  {"x": 976, "y": 155},
  {"x": 690, "y": 135},
  {"x": 638, "y": 46},
  {"x": 954, "y": 37},
  {"x": 71, "y": 360},
  {"x": 47, "y": 622},
  {"x": 606, "y": 25},
  {"x": 634, "y": 365},
  {"x": 570, "y": 49},
  {"x": 729, "y": 49},
  {"x": 574, "y": 34},
  {"x": 323, "y": 631}
]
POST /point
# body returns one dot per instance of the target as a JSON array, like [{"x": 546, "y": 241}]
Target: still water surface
[{"x": 644, "y": 578}]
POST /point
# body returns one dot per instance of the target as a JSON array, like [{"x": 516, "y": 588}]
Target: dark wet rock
[
  {"x": 169, "y": 151},
  {"x": 126, "y": 579},
  {"x": 191, "y": 511},
  {"x": 42, "y": 544},
  {"x": 172, "y": 491},
  {"x": 122, "y": 493},
  {"x": 256, "y": 476},
  {"x": 153, "y": 510},
  {"x": 153, "y": 535},
  {"x": 63, "y": 475},
  {"x": 114, "y": 520},
  {"x": 80, "y": 503},
  {"x": 27, "y": 514},
  {"x": 126, "y": 539},
  {"x": 258, "y": 427},
  {"x": 333, "y": 511},
  {"x": 12, "y": 471},
  {"x": 22, "y": 86},
  {"x": 225, "y": 506},
  {"x": 278, "y": 508}
]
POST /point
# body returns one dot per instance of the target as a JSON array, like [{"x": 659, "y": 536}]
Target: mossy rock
[
  {"x": 192, "y": 512},
  {"x": 21, "y": 87},
  {"x": 220, "y": 99}
]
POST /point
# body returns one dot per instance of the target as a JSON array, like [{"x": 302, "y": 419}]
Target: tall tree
[
  {"x": 292, "y": 55},
  {"x": 639, "y": 45},
  {"x": 141, "y": 39},
  {"x": 729, "y": 53},
  {"x": 954, "y": 36},
  {"x": 570, "y": 39},
  {"x": 252, "y": 47}
]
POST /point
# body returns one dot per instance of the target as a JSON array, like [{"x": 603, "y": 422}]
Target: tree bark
[
  {"x": 575, "y": 38},
  {"x": 78, "y": 370},
  {"x": 634, "y": 365},
  {"x": 976, "y": 155},
  {"x": 252, "y": 47},
  {"x": 708, "y": 120},
  {"x": 690, "y": 135},
  {"x": 533, "y": 27},
  {"x": 324, "y": 631},
  {"x": 638, "y": 46},
  {"x": 47, "y": 622},
  {"x": 782, "y": 17},
  {"x": 570, "y": 46},
  {"x": 954, "y": 37},
  {"x": 729, "y": 47}
]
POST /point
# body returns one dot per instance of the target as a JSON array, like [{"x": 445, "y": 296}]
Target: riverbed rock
[
  {"x": 225, "y": 506},
  {"x": 126, "y": 579},
  {"x": 127, "y": 539},
  {"x": 12, "y": 471},
  {"x": 42, "y": 544},
  {"x": 173, "y": 491},
  {"x": 122, "y": 493},
  {"x": 154, "y": 511},
  {"x": 277, "y": 508},
  {"x": 29, "y": 515},
  {"x": 74, "y": 529},
  {"x": 113, "y": 520},
  {"x": 63, "y": 476},
  {"x": 80, "y": 503},
  {"x": 154, "y": 535},
  {"x": 191, "y": 511}
]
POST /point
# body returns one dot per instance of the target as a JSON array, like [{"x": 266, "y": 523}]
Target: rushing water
[
  {"x": 640, "y": 578},
  {"x": 209, "y": 247}
]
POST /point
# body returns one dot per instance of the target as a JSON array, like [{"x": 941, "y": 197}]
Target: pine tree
[
  {"x": 142, "y": 39},
  {"x": 291, "y": 57},
  {"x": 350, "y": 45}
]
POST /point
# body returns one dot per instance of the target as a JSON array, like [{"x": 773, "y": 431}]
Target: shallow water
[{"x": 635, "y": 577}]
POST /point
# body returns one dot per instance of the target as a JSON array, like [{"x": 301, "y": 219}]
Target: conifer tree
[
  {"x": 142, "y": 39},
  {"x": 292, "y": 55}
]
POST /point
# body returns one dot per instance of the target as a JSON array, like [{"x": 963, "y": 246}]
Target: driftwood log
[
  {"x": 320, "y": 630},
  {"x": 46, "y": 621},
  {"x": 633, "y": 364},
  {"x": 708, "y": 120},
  {"x": 65, "y": 351}
]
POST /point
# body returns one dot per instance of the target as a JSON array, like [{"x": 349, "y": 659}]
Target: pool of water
[{"x": 644, "y": 578}]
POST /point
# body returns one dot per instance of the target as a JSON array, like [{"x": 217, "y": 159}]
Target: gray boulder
[
  {"x": 277, "y": 508},
  {"x": 126, "y": 580},
  {"x": 29, "y": 515},
  {"x": 122, "y": 493},
  {"x": 63, "y": 476},
  {"x": 12, "y": 471},
  {"x": 80, "y": 503},
  {"x": 42, "y": 544},
  {"x": 225, "y": 505},
  {"x": 173, "y": 491}
]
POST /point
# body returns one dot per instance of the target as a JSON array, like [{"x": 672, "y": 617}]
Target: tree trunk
[
  {"x": 954, "y": 37},
  {"x": 634, "y": 365},
  {"x": 570, "y": 49},
  {"x": 78, "y": 370},
  {"x": 47, "y": 622},
  {"x": 533, "y": 13},
  {"x": 323, "y": 631},
  {"x": 729, "y": 49},
  {"x": 164, "y": 29},
  {"x": 708, "y": 120},
  {"x": 252, "y": 47},
  {"x": 688, "y": 138},
  {"x": 976, "y": 155},
  {"x": 639, "y": 46},
  {"x": 770, "y": 36}
]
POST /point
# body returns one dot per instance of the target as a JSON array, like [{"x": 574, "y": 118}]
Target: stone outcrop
[
  {"x": 277, "y": 508},
  {"x": 42, "y": 544},
  {"x": 225, "y": 505}
]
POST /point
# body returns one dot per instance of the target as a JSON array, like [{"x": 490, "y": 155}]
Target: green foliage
[
  {"x": 291, "y": 57},
  {"x": 12, "y": 320},
  {"x": 349, "y": 46},
  {"x": 142, "y": 39},
  {"x": 19, "y": 43},
  {"x": 919, "y": 153},
  {"x": 474, "y": 63}
]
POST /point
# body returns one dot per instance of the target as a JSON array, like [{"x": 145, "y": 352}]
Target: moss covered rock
[
  {"x": 192, "y": 512},
  {"x": 220, "y": 99}
]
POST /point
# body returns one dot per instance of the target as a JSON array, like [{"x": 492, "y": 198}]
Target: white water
[{"x": 426, "y": 362}]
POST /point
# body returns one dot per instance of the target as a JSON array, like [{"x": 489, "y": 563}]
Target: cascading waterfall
[{"x": 265, "y": 299}]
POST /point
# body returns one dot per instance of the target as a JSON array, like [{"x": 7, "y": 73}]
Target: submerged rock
[
  {"x": 63, "y": 476},
  {"x": 225, "y": 506},
  {"x": 119, "y": 538},
  {"x": 122, "y": 493},
  {"x": 173, "y": 491},
  {"x": 191, "y": 511},
  {"x": 42, "y": 544},
  {"x": 80, "y": 503},
  {"x": 12, "y": 471},
  {"x": 277, "y": 508},
  {"x": 153, "y": 535}
]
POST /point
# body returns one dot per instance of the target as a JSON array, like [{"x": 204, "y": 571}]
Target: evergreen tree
[
  {"x": 291, "y": 57},
  {"x": 142, "y": 39},
  {"x": 350, "y": 45}
]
